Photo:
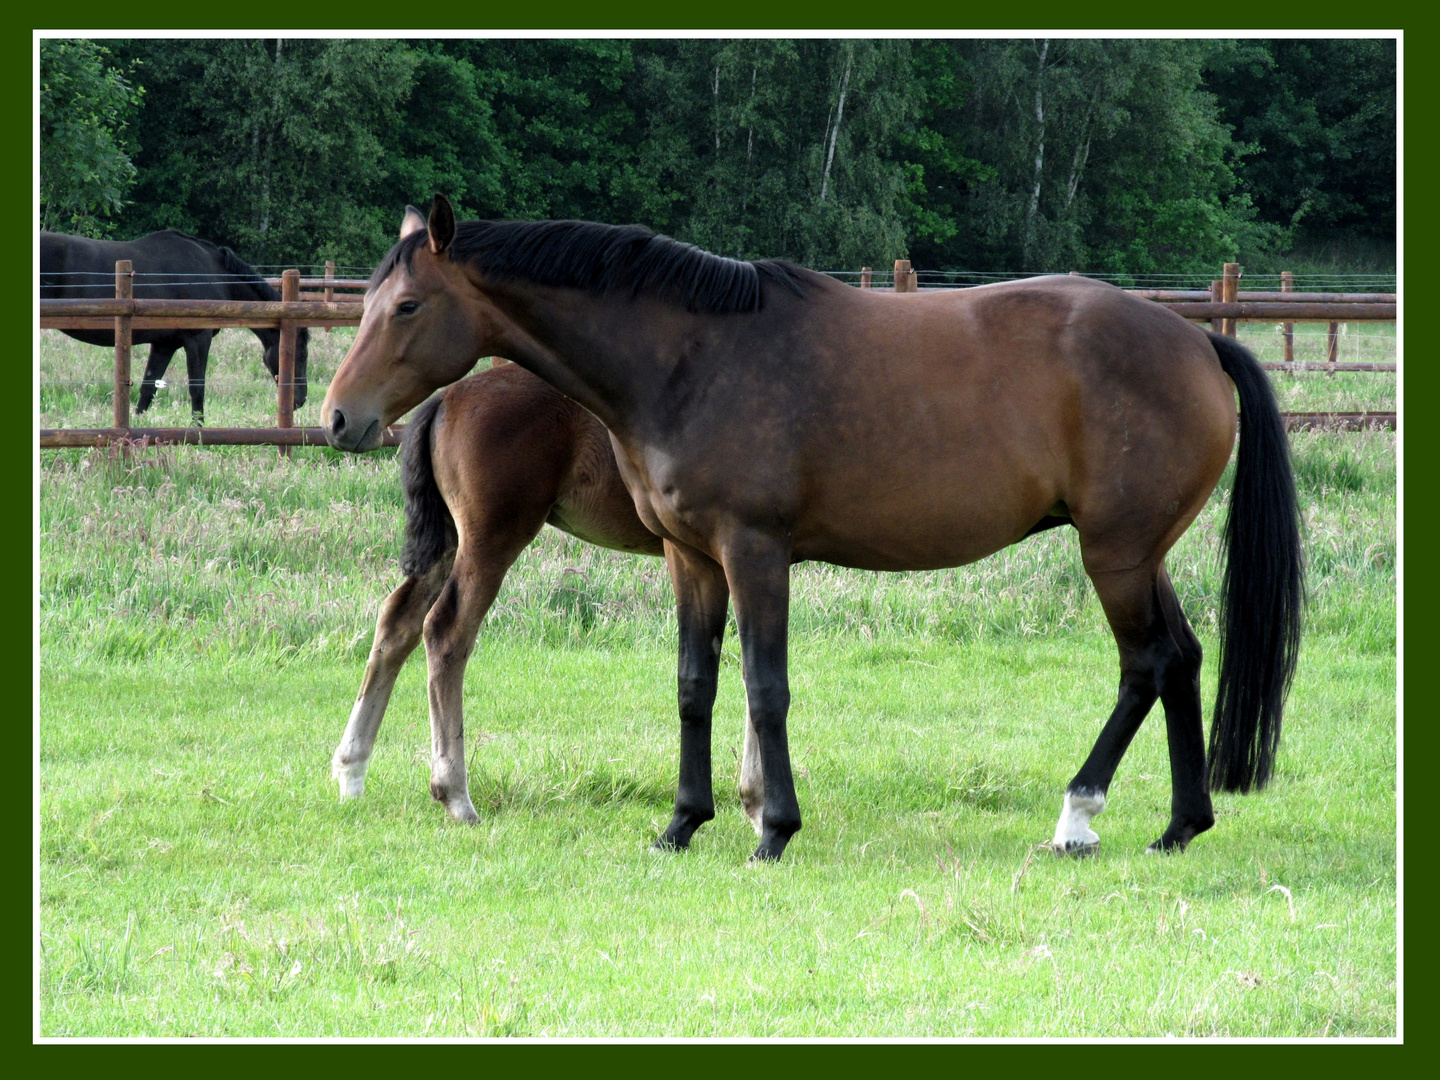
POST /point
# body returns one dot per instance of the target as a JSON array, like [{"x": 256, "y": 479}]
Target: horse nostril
[{"x": 337, "y": 423}]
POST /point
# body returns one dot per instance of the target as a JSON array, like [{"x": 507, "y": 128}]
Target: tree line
[{"x": 1120, "y": 156}]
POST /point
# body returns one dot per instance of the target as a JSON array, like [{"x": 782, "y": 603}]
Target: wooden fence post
[
  {"x": 124, "y": 290},
  {"x": 1287, "y": 330},
  {"x": 285, "y": 417},
  {"x": 1332, "y": 348},
  {"x": 904, "y": 276},
  {"x": 1216, "y": 293},
  {"x": 329, "y": 289},
  {"x": 1229, "y": 286},
  {"x": 865, "y": 277}
]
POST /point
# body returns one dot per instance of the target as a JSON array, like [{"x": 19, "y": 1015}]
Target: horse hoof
[
  {"x": 1164, "y": 847},
  {"x": 666, "y": 843},
  {"x": 769, "y": 851}
]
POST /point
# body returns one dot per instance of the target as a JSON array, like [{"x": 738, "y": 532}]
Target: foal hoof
[
  {"x": 461, "y": 809},
  {"x": 665, "y": 843},
  {"x": 1075, "y": 849}
]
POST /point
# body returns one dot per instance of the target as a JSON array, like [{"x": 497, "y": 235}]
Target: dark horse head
[{"x": 245, "y": 278}]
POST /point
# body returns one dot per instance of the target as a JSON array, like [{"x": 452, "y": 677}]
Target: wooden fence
[{"x": 1222, "y": 307}]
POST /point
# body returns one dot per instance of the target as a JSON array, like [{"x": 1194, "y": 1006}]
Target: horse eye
[{"x": 407, "y": 308}]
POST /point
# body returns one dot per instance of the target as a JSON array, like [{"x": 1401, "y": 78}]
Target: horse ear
[
  {"x": 441, "y": 224},
  {"x": 411, "y": 222}
]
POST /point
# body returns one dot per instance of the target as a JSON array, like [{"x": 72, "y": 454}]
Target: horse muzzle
[{"x": 353, "y": 434}]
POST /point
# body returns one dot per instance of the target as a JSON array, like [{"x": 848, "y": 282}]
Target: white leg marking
[
  {"x": 351, "y": 777},
  {"x": 352, "y": 756},
  {"x": 1073, "y": 834}
]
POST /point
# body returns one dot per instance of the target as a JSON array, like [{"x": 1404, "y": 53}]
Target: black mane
[{"x": 605, "y": 259}]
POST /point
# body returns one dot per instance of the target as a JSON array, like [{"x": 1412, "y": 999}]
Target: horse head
[
  {"x": 302, "y": 361},
  {"x": 423, "y": 328}
]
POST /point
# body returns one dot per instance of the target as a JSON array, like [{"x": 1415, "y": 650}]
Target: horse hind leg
[
  {"x": 1191, "y": 812},
  {"x": 1159, "y": 657},
  {"x": 397, "y": 632}
]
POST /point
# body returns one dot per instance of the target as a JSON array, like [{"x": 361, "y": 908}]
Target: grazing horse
[
  {"x": 168, "y": 265},
  {"x": 762, "y": 415}
]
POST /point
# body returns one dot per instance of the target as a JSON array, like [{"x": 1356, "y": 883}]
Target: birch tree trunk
[
  {"x": 1028, "y": 247},
  {"x": 835, "y": 131}
]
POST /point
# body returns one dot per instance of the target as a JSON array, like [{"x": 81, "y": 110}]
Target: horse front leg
[
  {"x": 161, "y": 353},
  {"x": 197, "y": 359},
  {"x": 757, "y": 566},
  {"x": 701, "y": 599},
  {"x": 397, "y": 632}
]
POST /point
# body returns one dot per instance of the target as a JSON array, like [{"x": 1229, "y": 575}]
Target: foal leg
[
  {"x": 1130, "y": 600},
  {"x": 160, "y": 354},
  {"x": 450, "y": 631},
  {"x": 752, "y": 777},
  {"x": 758, "y": 569},
  {"x": 397, "y": 632},
  {"x": 701, "y": 599}
]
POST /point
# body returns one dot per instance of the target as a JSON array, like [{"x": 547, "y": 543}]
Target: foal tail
[
  {"x": 429, "y": 526},
  {"x": 1264, "y": 585}
]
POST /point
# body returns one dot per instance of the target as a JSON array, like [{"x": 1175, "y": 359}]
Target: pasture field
[{"x": 204, "y": 619}]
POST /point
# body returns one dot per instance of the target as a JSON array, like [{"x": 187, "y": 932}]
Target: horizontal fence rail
[
  {"x": 1222, "y": 306},
  {"x": 59, "y": 438}
]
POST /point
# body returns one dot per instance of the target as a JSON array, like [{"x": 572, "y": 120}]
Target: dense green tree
[
  {"x": 85, "y": 104},
  {"x": 780, "y": 148},
  {"x": 1120, "y": 155},
  {"x": 278, "y": 147},
  {"x": 1320, "y": 115}
]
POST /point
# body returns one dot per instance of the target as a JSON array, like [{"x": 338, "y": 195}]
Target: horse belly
[{"x": 945, "y": 518}]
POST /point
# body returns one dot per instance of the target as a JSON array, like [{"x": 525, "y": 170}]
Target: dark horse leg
[
  {"x": 757, "y": 567},
  {"x": 155, "y": 367},
  {"x": 397, "y": 632},
  {"x": 701, "y": 600},
  {"x": 197, "y": 357},
  {"x": 1159, "y": 657}
]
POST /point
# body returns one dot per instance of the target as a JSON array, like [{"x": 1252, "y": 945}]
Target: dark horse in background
[
  {"x": 762, "y": 415},
  {"x": 168, "y": 265}
]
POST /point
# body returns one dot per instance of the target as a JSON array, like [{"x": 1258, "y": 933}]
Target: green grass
[{"x": 204, "y": 618}]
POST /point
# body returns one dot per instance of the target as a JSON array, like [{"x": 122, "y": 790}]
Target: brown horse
[{"x": 763, "y": 415}]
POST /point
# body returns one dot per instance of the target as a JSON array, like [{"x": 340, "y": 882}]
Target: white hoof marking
[
  {"x": 462, "y": 809},
  {"x": 1073, "y": 834},
  {"x": 351, "y": 778}
]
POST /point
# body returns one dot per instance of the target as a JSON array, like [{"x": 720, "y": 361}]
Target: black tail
[
  {"x": 429, "y": 527},
  {"x": 1264, "y": 587}
]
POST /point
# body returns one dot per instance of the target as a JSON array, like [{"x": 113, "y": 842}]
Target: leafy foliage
[
  {"x": 1128, "y": 156},
  {"x": 85, "y": 104}
]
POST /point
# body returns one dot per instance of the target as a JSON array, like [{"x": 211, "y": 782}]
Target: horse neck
[
  {"x": 610, "y": 354},
  {"x": 239, "y": 289}
]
